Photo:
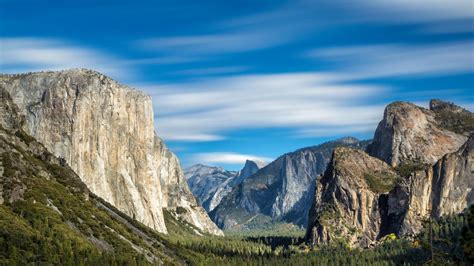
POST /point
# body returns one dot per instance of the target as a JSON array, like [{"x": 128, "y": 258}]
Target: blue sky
[{"x": 233, "y": 80}]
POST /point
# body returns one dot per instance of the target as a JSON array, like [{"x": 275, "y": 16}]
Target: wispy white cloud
[
  {"x": 228, "y": 41},
  {"x": 282, "y": 24},
  {"x": 212, "y": 70},
  {"x": 161, "y": 60},
  {"x": 24, "y": 54},
  {"x": 301, "y": 101},
  {"x": 33, "y": 54},
  {"x": 227, "y": 158},
  {"x": 296, "y": 20},
  {"x": 401, "y": 11},
  {"x": 375, "y": 61},
  {"x": 192, "y": 136}
]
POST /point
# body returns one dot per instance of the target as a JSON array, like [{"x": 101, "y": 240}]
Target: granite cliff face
[
  {"x": 411, "y": 133},
  {"x": 211, "y": 184},
  {"x": 204, "y": 181},
  {"x": 105, "y": 132},
  {"x": 346, "y": 204},
  {"x": 282, "y": 190},
  {"x": 47, "y": 211},
  {"x": 445, "y": 188},
  {"x": 250, "y": 168},
  {"x": 428, "y": 172}
]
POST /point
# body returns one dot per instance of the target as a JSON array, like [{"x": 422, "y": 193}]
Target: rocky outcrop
[
  {"x": 412, "y": 133},
  {"x": 250, "y": 168},
  {"x": 44, "y": 204},
  {"x": 445, "y": 188},
  {"x": 211, "y": 184},
  {"x": 204, "y": 181},
  {"x": 346, "y": 206},
  {"x": 282, "y": 190},
  {"x": 429, "y": 174},
  {"x": 105, "y": 131},
  {"x": 452, "y": 117}
]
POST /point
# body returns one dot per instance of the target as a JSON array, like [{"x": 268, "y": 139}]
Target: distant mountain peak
[
  {"x": 282, "y": 190},
  {"x": 257, "y": 163},
  {"x": 348, "y": 140}
]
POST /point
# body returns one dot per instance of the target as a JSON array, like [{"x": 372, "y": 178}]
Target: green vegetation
[
  {"x": 262, "y": 225},
  {"x": 408, "y": 167},
  {"x": 457, "y": 121},
  {"x": 447, "y": 233},
  {"x": 23, "y": 136},
  {"x": 292, "y": 250},
  {"x": 50, "y": 218},
  {"x": 381, "y": 183},
  {"x": 467, "y": 239}
]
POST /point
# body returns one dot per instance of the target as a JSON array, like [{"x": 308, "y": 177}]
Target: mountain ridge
[
  {"x": 211, "y": 183},
  {"x": 105, "y": 131},
  {"x": 285, "y": 185},
  {"x": 428, "y": 174}
]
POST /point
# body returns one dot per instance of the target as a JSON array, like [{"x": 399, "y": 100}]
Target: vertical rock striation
[
  {"x": 283, "y": 190},
  {"x": 205, "y": 181},
  {"x": 427, "y": 172},
  {"x": 444, "y": 188},
  {"x": 211, "y": 184},
  {"x": 346, "y": 206},
  {"x": 411, "y": 133},
  {"x": 105, "y": 131}
]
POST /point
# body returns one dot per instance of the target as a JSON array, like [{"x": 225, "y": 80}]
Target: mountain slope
[
  {"x": 282, "y": 190},
  {"x": 211, "y": 184},
  {"x": 204, "y": 181},
  {"x": 105, "y": 132},
  {"x": 411, "y": 133},
  {"x": 49, "y": 216},
  {"x": 433, "y": 161},
  {"x": 346, "y": 198}
]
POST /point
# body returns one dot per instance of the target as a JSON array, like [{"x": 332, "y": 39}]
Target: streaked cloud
[
  {"x": 25, "y": 54},
  {"x": 402, "y": 11},
  {"x": 393, "y": 60},
  {"x": 227, "y": 158},
  {"x": 36, "y": 54},
  {"x": 228, "y": 41},
  {"x": 161, "y": 60},
  {"x": 212, "y": 70},
  {"x": 298, "y": 100}
]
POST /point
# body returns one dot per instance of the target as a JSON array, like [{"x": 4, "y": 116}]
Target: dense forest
[
  {"x": 450, "y": 241},
  {"x": 49, "y": 217}
]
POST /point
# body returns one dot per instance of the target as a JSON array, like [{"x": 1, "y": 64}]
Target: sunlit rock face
[
  {"x": 423, "y": 160},
  {"x": 105, "y": 131},
  {"x": 411, "y": 133},
  {"x": 445, "y": 188},
  {"x": 283, "y": 190},
  {"x": 346, "y": 199},
  {"x": 210, "y": 184},
  {"x": 205, "y": 181}
]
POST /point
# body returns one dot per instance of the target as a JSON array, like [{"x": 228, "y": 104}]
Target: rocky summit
[
  {"x": 105, "y": 132},
  {"x": 411, "y": 133},
  {"x": 211, "y": 184},
  {"x": 419, "y": 167},
  {"x": 346, "y": 198},
  {"x": 282, "y": 191},
  {"x": 204, "y": 181},
  {"x": 49, "y": 216}
]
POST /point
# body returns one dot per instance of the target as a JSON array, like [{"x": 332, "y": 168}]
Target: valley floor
[{"x": 452, "y": 244}]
